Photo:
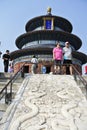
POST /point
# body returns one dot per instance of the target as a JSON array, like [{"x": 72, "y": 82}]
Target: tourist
[
  {"x": 34, "y": 66},
  {"x": 6, "y": 58},
  {"x": 43, "y": 69},
  {"x": 67, "y": 56},
  {"x": 11, "y": 68},
  {"x": 57, "y": 56}
]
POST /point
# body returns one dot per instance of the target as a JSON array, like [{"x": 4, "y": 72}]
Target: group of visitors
[{"x": 62, "y": 56}]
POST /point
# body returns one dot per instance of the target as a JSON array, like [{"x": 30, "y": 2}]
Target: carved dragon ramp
[{"x": 50, "y": 102}]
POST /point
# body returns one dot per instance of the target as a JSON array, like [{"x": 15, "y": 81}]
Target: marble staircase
[{"x": 47, "y": 102}]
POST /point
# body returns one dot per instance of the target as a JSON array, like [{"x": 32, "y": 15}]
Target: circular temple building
[{"x": 41, "y": 35}]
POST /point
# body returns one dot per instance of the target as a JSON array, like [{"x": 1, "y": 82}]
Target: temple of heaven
[{"x": 41, "y": 35}]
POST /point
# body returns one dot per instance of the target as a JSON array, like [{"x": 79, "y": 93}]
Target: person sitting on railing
[
  {"x": 34, "y": 62},
  {"x": 68, "y": 56}
]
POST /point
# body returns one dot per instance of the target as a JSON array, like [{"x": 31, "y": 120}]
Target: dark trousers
[{"x": 5, "y": 67}]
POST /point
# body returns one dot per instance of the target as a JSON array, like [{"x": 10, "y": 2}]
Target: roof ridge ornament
[{"x": 49, "y": 11}]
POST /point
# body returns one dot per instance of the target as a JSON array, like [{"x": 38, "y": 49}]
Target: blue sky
[{"x": 15, "y": 14}]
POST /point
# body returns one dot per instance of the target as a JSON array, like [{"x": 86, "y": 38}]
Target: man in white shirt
[
  {"x": 34, "y": 62},
  {"x": 68, "y": 56}
]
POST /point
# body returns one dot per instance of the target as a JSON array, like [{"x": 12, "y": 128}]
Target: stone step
[
  {"x": 3, "y": 107},
  {"x": 85, "y": 77},
  {"x": 16, "y": 83},
  {"x": 15, "y": 86},
  {"x": 6, "y": 75}
]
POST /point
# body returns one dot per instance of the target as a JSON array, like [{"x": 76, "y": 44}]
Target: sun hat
[{"x": 66, "y": 43}]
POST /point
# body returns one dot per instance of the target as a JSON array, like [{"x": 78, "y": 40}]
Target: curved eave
[
  {"x": 44, "y": 51},
  {"x": 80, "y": 56},
  {"x": 30, "y": 51},
  {"x": 48, "y": 35},
  {"x": 58, "y": 22}
]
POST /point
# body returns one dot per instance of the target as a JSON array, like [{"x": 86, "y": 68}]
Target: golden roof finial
[{"x": 49, "y": 10}]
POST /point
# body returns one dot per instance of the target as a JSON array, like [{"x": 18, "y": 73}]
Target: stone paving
[{"x": 47, "y": 102}]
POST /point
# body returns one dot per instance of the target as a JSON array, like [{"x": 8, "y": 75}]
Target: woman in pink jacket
[{"x": 58, "y": 57}]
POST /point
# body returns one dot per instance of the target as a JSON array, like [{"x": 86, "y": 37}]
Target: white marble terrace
[{"x": 47, "y": 102}]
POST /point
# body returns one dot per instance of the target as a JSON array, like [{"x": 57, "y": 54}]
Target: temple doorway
[
  {"x": 26, "y": 69},
  {"x": 48, "y": 69},
  {"x": 67, "y": 70}
]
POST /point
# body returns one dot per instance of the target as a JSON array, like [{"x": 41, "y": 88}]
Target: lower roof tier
[
  {"x": 45, "y": 51},
  {"x": 48, "y": 35}
]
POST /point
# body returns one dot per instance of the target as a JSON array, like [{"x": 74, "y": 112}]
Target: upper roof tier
[
  {"x": 60, "y": 22},
  {"x": 48, "y": 27}
]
